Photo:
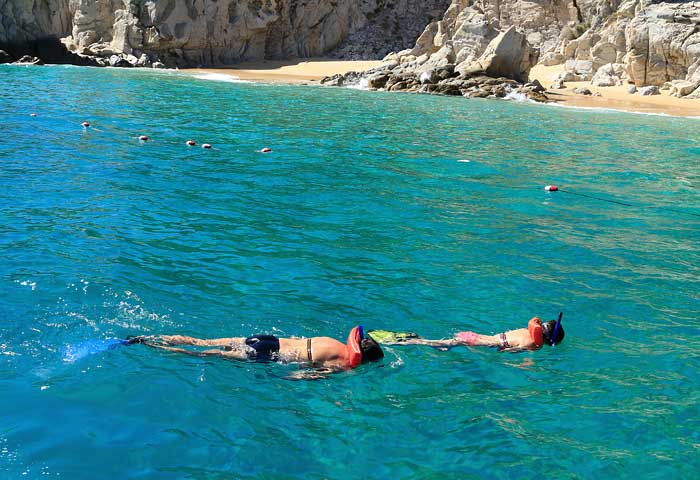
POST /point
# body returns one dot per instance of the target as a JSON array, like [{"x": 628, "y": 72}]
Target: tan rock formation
[
  {"x": 208, "y": 32},
  {"x": 655, "y": 42},
  {"x": 508, "y": 55}
]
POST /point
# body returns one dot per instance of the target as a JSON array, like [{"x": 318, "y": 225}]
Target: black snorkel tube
[{"x": 553, "y": 337}]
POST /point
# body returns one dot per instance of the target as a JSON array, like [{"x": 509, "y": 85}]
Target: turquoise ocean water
[{"x": 391, "y": 210}]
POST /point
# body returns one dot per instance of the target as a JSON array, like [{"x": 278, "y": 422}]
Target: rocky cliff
[
  {"x": 213, "y": 32},
  {"x": 609, "y": 42},
  {"x": 641, "y": 42}
]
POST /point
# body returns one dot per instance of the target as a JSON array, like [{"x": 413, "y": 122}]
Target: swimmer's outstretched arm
[{"x": 446, "y": 343}]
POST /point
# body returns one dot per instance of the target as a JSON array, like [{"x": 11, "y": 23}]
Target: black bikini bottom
[{"x": 263, "y": 348}]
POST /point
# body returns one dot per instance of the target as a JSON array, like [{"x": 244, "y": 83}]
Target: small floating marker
[
  {"x": 86, "y": 124},
  {"x": 191, "y": 143},
  {"x": 266, "y": 150},
  {"x": 144, "y": 138},
  {"x": 32, "y": 114},
  {"x": 206, "y": 145},
  {"x": 551, "y": 188}
]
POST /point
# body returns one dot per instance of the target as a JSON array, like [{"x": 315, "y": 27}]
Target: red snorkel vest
[
  {"x": 534, "y": 326},
  {"x": 353, "y": 347}
]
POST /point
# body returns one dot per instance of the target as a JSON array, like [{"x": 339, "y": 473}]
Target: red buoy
[
  {"x": 266, "y": 150},
  {"x": 191, "y": 143},
  {"x": 86, "y": 124},
  {"x": 206, "y": 145},
  {"x": 551, "y": 188},
  {"x": 143, "y": 138}
]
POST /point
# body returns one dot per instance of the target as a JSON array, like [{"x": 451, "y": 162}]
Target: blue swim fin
[{"x": 81, "y": 350}]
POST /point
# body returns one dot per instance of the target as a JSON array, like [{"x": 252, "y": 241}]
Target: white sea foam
[
  {"x": 517, "y": 96},
  {"x": 362, "y": 85},
  {"x": 27, "y": 283},
  {"x": 219, "y": 77}
]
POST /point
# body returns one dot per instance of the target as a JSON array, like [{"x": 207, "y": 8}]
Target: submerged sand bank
[{"x": 615, "y": 98}]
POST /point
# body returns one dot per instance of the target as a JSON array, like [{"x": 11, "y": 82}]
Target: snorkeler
[
  {"x": 533, "y": 337},
  {"x": 317, "y": 352}
]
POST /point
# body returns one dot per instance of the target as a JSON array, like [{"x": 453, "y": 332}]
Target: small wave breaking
[{"x": 220, "y": 77}]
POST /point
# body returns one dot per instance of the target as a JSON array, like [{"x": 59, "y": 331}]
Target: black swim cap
[
  {"x": 548, "y": 331},
  {"x": 371, "y": 351}
]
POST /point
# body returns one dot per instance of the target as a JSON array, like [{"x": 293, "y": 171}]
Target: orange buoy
[
  {"x": 551, "y": 188},
  {"x": 206, "y": 145},
  {"x": 266, "y": 150},
  {"x": 191, "y": 143},
  {"x": 143, "y": 138},
  {"x": 86, "y": 124}
]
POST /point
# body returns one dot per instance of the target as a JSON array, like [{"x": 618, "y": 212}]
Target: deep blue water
[{"x": 392, "y": 210}]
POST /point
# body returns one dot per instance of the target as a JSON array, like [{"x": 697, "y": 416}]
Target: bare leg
[
  {"x": 234, "y": 353},
  {"x": 200, "y": 342}
]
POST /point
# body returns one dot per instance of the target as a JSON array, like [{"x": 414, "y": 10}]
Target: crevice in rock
[{"x": 579, "y": 17}]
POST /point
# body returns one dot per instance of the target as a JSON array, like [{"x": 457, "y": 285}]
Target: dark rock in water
[
  {"x": 352, "y": 78},
  {"x": 448, "y": 89},
  {"x": 5, "y": 57},
  {"x": 478, "y": 94},
  {"x": 402, "y": 78},
  {"x": 395, "y": 87},
  {"x": 29, "y": 60},
  {"x": 333, "y": 81},
  {"x": 535, "y": 86},
  {"x": 500, "y": 91},
  {"x": 378, "y": 80}
]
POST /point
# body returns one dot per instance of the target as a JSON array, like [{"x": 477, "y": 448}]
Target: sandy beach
[
  {"x": 615, "y": 98},
  {"x": 290, "y": 71}
]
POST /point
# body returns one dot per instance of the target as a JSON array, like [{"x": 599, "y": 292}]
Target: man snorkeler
[
  {"x": 533, "y": 337},
  {"x": 317, "y": 352}
]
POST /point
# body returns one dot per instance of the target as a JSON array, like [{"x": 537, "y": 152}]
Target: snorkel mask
[
  {"x": 551, "y": 334},
  {"x": 543, "y": 332},
  {"x": 355, "y": 338}
]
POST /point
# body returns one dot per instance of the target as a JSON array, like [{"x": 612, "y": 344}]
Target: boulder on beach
[{"x": 508, "y": 55}]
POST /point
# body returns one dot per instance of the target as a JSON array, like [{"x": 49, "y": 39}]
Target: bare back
[{"x": 319, "y": 351}]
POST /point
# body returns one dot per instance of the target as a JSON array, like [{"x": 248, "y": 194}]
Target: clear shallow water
[{"x": 365, "y": 212}]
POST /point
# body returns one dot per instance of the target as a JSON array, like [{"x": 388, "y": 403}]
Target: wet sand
[{"x": 615, "y": 98}]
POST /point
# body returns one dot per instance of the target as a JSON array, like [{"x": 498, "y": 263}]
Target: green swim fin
[{"x": 387, "y": 336}]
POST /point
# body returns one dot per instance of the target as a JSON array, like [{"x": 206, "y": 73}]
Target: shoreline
[
  {"x": 289, "y": 72},
  {"x": 611, "y": 98}
]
